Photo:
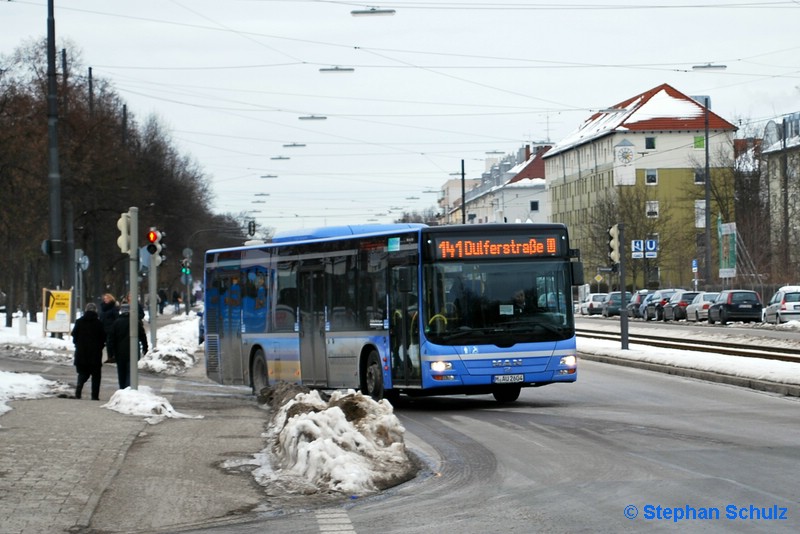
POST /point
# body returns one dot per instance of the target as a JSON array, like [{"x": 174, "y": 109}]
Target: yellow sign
[
  {"x": 57, "y": 306},
  {"x": 598, "y": 278}
]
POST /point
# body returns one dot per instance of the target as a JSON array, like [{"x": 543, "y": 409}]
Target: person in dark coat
[
  {"x": 89, "y": 337},
  {"x": 121, "y": 338},
  {"x": 162, "y": 300},
  {"x": 108, "y": 314}
]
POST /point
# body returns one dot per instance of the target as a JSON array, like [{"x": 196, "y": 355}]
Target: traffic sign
[
  {"x": 598, "y": 278},
  {"x": 694, "y": 265},
  {"x": 651, "y": 248},
  {"x": 637, "y": 249}
]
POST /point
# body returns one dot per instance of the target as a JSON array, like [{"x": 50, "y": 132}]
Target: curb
[{"x": 788, "y": 390}]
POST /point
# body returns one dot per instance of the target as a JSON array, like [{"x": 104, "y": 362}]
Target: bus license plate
[{"x": 508, "y": 379}]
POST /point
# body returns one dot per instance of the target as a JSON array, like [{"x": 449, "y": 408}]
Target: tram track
[{"x": 747, "y": 350}]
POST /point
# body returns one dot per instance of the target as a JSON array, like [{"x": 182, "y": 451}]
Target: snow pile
[
  {"x": 23, "y": 386},
  {"x": 347, "y": 444},
  {"x": 174, "y": 353},
  {"x": 144, "y": 403}
]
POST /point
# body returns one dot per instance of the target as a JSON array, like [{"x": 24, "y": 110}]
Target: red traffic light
[{"x": 153, "y": 236}]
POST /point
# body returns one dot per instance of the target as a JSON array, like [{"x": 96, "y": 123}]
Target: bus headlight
[
  {"x": 439, "y": 367},
  {"x": 569, "y": 361}
]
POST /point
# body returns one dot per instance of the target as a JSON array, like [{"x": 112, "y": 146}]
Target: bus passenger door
[
  {"x": 313, "y": 364},
  {"x": 404, "y": 326}
]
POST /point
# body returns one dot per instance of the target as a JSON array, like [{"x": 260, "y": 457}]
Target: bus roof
[
  {"x": 327, "y": 233},
  {"x": 308, "y": 234}
]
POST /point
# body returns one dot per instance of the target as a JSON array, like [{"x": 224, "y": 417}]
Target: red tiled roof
[
  {"x": 534, "y": 168},
  {"x": 662, "y": 108},
  {"x": 659, "y": 123}
]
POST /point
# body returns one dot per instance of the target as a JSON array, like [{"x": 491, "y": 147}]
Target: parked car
[
  {"x": 783, "y": 306},
  {"x": 736, "y": 305},
  {"x": 697, "y": 310},
  {"x": 675, "y": 308},
  {"x": 655, "y": 306},
  {"x": 612, "y": 303},
  {"x": 592, "y": 303},
  {"x": 634, "y": 306},
  {"x": 643, "y": 306}
]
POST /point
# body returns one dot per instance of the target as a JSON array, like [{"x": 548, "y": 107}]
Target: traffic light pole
[
  {"x": 188, "y": 294},
  {"x": 623, "y": 303},
  {"x": 154, "y": 248},
  {"x": 152, "y": 283},
  {"x": 133, "y": 303}
]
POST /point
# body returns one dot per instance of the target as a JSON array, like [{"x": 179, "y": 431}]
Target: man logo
[{"x": 506, "y": 363}]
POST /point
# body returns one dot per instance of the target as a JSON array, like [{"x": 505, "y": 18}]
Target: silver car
[
  {"x": 783, "y": 306},
  {"x": 697, "y": 310}
]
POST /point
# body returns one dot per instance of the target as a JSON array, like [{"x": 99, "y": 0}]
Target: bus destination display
[{"x": 456, "y": 247}]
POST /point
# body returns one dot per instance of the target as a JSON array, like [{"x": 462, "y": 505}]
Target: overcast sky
[{"x": 438, "y": 82}]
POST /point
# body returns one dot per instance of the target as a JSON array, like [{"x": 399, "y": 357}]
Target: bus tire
[
  {"x": 507, "y": 394},
  {"x": 373, "y": 376},
  {"x": 258, "y": 372}
]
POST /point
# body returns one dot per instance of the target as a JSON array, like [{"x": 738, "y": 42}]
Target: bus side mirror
[{"x": 577, "y": 273}]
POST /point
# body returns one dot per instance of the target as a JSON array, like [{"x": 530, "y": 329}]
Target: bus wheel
[
  {"x": 259, "y": 372},
  {"x": 507, "y": 394},
  {"x": 373, "y": 377}
]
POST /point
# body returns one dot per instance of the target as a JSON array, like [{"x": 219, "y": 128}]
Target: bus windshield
[{"x": 496, "y": 302}]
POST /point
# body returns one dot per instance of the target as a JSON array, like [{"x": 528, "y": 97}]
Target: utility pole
[
  {"x": 55, "y": 248},
  {"x": 463, "y": 196}
]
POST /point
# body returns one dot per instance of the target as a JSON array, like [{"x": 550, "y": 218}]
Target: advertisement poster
[
  {"x": 57, "y": 306},
  {"x": 727, "y": 250}
]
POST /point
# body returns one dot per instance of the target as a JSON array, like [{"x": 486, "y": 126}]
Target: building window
[
  {"x": 534, "y": 205},
  {"x": 699, "y": 141},
  {"x": 652, "y": 209},
  {"x": 651, "y": 177},
  {"x": 650, "y": 143},
  {"x": 699, "y": 177}
]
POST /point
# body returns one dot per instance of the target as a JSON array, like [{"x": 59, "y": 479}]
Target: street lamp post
[{"x": 707, "y": 176}]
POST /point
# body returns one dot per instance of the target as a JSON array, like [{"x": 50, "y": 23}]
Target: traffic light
[
  {"x": 186, "y": 266},
  {"x": 154, "y": 245},
  {"x": 613, "y": 244},
  {"x": 124, "y": 239}
]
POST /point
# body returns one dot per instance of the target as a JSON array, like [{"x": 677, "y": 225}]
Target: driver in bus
[{"x": 520, "y": 303}]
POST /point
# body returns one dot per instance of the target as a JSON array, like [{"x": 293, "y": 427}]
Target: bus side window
[{"x": 285, "y": 309}]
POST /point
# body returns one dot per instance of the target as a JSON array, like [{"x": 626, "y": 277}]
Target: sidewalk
[{"x": 68, "y": 465}]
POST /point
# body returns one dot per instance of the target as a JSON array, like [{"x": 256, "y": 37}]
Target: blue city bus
[{"x": 396, "y": 309}]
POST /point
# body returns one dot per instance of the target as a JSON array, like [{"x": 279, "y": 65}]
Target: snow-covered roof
[{"x": 662, "y": 108}]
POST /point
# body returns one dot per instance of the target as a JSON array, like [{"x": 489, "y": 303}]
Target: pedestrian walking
[
  {"x": 176, "y": 301},
  {"x": 89, "y": 336},
  {"x": 109, "y": 311},
  {"x": 122, "y": 345},
  {"x": 162, "y": 300}
]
